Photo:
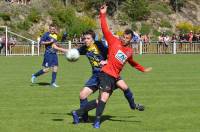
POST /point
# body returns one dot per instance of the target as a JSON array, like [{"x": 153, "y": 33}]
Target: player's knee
[
  {"x": 123, "y": 88},
  {"x": 122, "y": 85},
  {"x": 105, "y": 96},
  {"x": 83, "y": 94},
  {"x": 55, "y": 69},
  {"x": 46, "y": 70}
]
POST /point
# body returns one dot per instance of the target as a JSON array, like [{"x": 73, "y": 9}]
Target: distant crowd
[
  {"x": 145, "y": 38},
  {"x": 23, "y": 2},
  {"x": 11, "y": 42},
  {"x": 189, "y": 37}
]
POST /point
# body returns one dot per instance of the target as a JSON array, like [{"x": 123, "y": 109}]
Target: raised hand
[{"x": 103, "y": 9}]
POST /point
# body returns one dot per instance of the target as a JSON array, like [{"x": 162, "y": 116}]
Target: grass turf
[{"x": 170, "y": 93}]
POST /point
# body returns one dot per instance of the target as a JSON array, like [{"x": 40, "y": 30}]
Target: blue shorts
[
  {"x": 50, "y": 60},
  {"x": 93, "y": 82}
]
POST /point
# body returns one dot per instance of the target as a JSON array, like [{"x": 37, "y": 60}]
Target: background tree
[{"x": 136, "y": 9}]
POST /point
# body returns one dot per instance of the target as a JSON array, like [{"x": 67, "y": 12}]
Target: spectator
[
  {"x": 96, "y": 37},
  {"x": 145, "y": 38},
  {"x": 2, "y": 42},
  {"x": 174, "y": 38},
  {"x": 103, "y": 40},
  {"x": 166, "y": 40},
  {"x": 190, "y": 37},
  {"x": 64, "y": 37},
  {"x": 195, "y": 38},
  {"x": 198, "y": 37},
  {"x": 136, "y": 37}
]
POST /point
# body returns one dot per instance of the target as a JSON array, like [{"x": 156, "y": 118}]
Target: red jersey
[{"x": 118, "y": 54}]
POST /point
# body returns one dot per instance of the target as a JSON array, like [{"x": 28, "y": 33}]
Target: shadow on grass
[
  {"x": 57, "y": 119},
  {"x": 103, "y": 118},
  {"x": 110, "y": 118},
  {"x": 41, "y": 84}
]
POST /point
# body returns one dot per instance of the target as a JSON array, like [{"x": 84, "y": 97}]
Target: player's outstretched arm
[
  {"x": 148, "y": 69},
  {"x": 46, "y": 42},
  {"x": 138, "y": 66},
  {"x": 59, "y": 48},
  {"x": 104, "y": 26}
]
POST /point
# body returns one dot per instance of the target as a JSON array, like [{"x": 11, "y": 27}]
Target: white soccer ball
[{"x": 72, "y": 55}]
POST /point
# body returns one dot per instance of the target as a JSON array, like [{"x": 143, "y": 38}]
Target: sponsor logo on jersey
[{"x": 121, "y": 56}]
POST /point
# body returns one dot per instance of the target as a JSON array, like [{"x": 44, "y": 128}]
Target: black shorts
[
  {"x": 107, "y": 83},
  {"x": 93, "y": 88}
]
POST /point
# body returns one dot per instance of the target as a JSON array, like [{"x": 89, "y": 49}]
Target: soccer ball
[{"x": 72, "y": 55}]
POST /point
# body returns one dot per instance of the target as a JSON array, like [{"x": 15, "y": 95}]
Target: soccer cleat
[
  {"x": 54, "y": 85},
  {"x": 139, "y": 107},
  {"x": 96, "y": 123},
  {"x": 33, "y": 78},
  {"x": 75, "y": 117}
]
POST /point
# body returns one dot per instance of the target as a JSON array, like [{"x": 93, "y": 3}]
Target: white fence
[
  {"x": 140, "y": 48},
  {"x": 25, "y": 46}
]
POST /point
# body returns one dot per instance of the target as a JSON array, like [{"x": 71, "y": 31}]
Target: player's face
[
  {"x": 88, "y": 39},
  {"x": 52, "y": 30},
  {"x": 127, "y": 39}
]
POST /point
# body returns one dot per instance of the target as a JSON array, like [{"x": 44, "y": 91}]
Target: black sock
[
  {"x": 89, "y": 106},
  {"x": 40, "y": 72},
  {"x": 100, "y": 109},
  {"x": 129, "y": 96},
  {"x": 83, "y": 102}
]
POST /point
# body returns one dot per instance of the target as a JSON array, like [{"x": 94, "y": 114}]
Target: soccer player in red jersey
[{"x": 119, "y": 52}]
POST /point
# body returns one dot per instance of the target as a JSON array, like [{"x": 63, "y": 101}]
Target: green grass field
[{"x": 171, "y": 94}]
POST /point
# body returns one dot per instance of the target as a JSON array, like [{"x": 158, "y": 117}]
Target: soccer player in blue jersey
[
  {"x": 96, "y": 53},
  {"x": 49, "y": 39}
]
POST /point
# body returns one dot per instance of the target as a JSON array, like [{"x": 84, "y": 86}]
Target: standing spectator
[
  {"x": 174, "y": 38},
  {"x": 182, "y": 39},
  {"x": 145, "y": 38},
  {"x": 190, "y": 37},
  {"x": 1, "y": 43},
  {"x": 64, "y": 37},
  {"x": 198, "y": 37},
  {"x": 195, "y": 38},
  {"x": 166, "y": 41},
  {"x": 103, "y": 40},
  {"x": 11, "y": 43},
  {"x": 136, "y": 37}
]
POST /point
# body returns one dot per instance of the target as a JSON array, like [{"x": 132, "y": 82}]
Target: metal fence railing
[
  {"x": 170, "y": 48},
  {"x": 139, "y": 48}
]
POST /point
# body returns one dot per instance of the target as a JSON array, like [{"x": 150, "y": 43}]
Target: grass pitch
[{"x": 171, "y": 94}]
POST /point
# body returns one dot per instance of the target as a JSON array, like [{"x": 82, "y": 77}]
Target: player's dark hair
[
  {"x": 128, "y": 31},
  {"x": 52, "y": 25},
  {"x": 90, "y": 32}
]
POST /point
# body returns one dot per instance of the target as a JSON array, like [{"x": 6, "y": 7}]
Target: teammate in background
[
  {"x": 49, "y": 39},
  {"x": 119, "y": 52}
]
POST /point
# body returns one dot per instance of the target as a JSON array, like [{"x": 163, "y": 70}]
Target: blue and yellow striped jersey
[
  {"x": 95, "y": 53},
  {"x": 47, "y": 37}
]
